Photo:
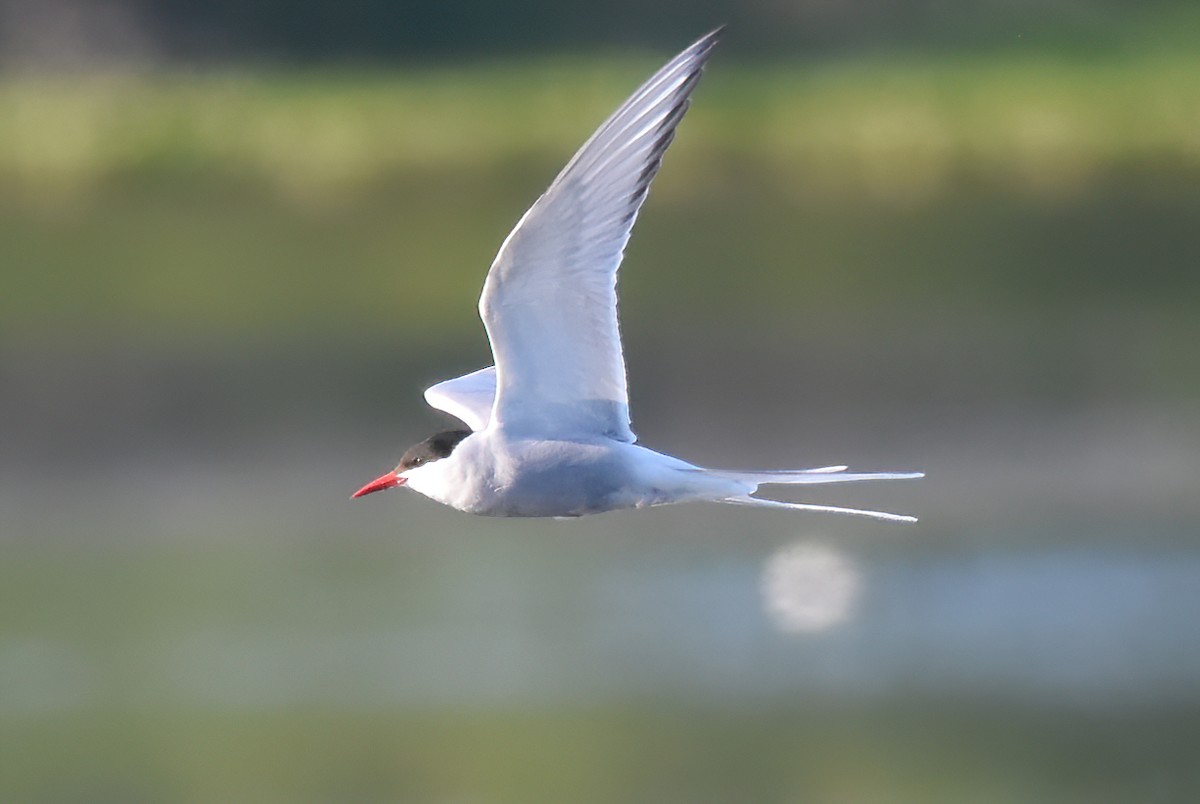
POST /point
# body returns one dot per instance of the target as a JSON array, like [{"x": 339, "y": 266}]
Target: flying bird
[{"x": 549, "y": 431}]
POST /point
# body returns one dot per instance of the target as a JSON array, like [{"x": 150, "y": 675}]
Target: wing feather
[
  {"x": 468, "y": 398},
  {"x": 549, "y": 303}
]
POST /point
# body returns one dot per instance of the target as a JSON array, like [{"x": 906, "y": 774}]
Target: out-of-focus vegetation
[
  {"x": 901, "y": 128},
  {"x": 243, "y": 201},
  {"x": 56, "y": 33}
]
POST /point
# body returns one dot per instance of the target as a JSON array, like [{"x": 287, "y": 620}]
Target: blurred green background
[{"x": 239, "y": 239}]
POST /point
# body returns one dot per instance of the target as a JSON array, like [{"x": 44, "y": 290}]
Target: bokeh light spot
[{"x": 809, "y": 587}]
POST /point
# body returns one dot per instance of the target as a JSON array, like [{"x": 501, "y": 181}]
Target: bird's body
[
  {"x": 492, "y": 474},
  {"x": 549, "y": 424}
]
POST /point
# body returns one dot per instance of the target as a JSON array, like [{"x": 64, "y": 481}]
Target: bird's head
[{"x": 434, "y": 448}]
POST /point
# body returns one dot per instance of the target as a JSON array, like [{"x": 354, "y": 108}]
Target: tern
[{"x": 549, "y": 430}]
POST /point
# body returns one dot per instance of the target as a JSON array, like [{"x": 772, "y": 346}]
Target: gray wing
[
  {"x": 468, "y": 398},
  {"x": 549, "y": 303}
]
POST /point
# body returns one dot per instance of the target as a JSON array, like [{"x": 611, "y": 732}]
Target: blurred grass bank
[{"x": 252, "y": 202}]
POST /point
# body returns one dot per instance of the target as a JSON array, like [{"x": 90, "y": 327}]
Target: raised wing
[
  {"x": 550, "y": 303},
  {"x": 469, "y": 397}
]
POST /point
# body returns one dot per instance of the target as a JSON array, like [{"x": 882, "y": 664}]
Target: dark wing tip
[
  {"x": 702, "y": 48},
  {"x": 710, "y": 39}
]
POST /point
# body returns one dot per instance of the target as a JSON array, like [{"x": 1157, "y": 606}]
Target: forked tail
[{"x": 825, "y": 474}]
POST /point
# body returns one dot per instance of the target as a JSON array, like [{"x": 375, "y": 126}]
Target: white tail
[
  {"x": 758, "y": 501},
  {"x": 825, "y": 474}
]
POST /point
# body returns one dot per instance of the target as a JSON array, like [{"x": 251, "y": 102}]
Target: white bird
[{"x": 549, "y": 423}]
